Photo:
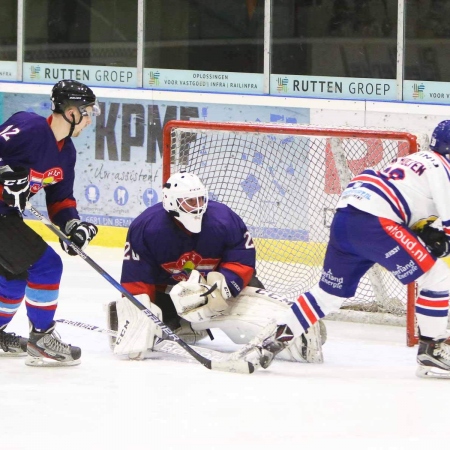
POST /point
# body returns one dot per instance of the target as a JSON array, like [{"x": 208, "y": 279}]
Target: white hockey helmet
[{"x": 185, "y": 197}]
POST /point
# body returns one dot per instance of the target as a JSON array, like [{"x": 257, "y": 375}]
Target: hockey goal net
[{"x": 284, "y": 181}]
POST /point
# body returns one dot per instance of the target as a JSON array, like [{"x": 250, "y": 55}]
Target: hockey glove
[
  {"x": 196, "y": 301},
  {"x": 15, "y": 187},
  {"x": 435, "y": 240},
  {"x": 80, "y": 233}
]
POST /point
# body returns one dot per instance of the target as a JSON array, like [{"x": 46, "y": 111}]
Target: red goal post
[{"x": 284, "y": 181}]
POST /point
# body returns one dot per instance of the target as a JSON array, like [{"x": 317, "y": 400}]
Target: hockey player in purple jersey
[
  {"x": 37, "y": 153},
  {"x": 192, "y": 263},
  {"x": 389, "y": 217}
]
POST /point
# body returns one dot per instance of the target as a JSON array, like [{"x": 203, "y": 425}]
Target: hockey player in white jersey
[{"x": 398, "y": 217}]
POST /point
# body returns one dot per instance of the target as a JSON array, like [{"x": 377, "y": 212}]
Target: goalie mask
[
  {"x": 440, "y": 139},
  {"x": 185, "y": 197}
]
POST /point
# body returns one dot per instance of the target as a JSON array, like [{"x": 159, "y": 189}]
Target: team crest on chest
[
  {"x": 41, "y": 180},
  {"x": 187, "y": 262}
]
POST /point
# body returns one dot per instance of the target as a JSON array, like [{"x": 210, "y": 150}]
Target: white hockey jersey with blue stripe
[{"x": 411, "y": 189}]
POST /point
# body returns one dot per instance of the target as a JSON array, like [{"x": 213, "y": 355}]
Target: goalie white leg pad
[
  {"x": 248, "y": 314},
  {"x": 136, "y": 332},
  {"x": 252, "y": 310},
  {"x": 112, "y": 321}
]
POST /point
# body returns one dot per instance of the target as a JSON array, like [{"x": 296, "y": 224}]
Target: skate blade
[
  {"x": 432, "y": 372},
  {"x": 12, "y": 355},
  {"x": 47, "y": 362}
]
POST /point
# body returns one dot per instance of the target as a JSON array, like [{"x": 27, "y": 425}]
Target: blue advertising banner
[{"x": 119, "y": 158}]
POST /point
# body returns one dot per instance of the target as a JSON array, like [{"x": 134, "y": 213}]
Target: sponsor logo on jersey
[
  {"x": 41, "y": 180},
  {"x": 187, "y": 262},
  {"x": 392, "y": 252},
  {"x": 408, "y": 242},
  {"x": 331, "y": 280},
  {"x": 404, "y": 271}
]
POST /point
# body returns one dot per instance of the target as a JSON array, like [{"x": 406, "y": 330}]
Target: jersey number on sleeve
[
  {"x": 248, "y": 240},
  {"x": 6, "y": 133},
  {"x": 130, "y": 254}
]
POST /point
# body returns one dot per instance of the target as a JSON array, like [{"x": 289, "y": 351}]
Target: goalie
[{"x": 192, "y": 263}]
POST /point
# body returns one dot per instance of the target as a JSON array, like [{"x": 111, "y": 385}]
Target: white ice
[{"x": 365, "y": 395}]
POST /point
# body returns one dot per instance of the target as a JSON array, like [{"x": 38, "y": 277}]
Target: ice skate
[
  {"x": 263, "y": 348},
  {"x": 433, "y": 358},
  {"x": 45, "y": 348},
  {"x": 11, "y": 344}
]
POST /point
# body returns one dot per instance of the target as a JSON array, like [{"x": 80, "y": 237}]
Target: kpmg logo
[
  {"x": 282, "y": 84},
  {"x": 418, "y": 91},
  {"x": 154, "y": 78},
  {"x": 34, "y": 72}
]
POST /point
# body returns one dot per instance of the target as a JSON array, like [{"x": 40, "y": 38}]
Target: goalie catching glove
[
  {"x": 80, "y": 233},
  {"x": 196, "y": 300},
  {"x": 435, "y": 240}
]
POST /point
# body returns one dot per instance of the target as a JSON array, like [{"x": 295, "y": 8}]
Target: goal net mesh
[{"x": 284, "y": 182}]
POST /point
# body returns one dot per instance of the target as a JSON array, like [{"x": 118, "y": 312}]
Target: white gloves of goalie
[{"x": 197, "y": 301}]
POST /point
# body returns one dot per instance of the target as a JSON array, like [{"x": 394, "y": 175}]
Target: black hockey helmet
[{"x": 73, "y": 93}]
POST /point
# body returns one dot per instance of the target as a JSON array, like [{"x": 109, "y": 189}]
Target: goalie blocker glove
[
  {"x": 14, "y": 187},
  {"x": 80, "y": 233},
  {"x": 435, "y": 240}
]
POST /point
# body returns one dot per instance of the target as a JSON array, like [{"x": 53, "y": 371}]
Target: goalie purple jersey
[
  {"x": 27, "y": 140},
  {"x": 159, "y": 251}
]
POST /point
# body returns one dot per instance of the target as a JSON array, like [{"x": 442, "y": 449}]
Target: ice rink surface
[{"x": 365, "y": 395}]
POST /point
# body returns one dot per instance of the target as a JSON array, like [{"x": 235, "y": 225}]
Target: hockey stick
[
  {"x": 239, "y": 366},
  {"x": 161, "y": 345}
]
